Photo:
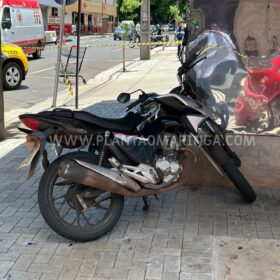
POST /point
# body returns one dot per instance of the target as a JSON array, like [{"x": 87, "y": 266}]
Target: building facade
[{"x": 96, "y": 17}]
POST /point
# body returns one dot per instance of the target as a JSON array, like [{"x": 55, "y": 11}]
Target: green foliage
[
  {"x": 160, "y": 10},
  {"x": 175, "y": 13},
  {"x": 126, "y": 27},
  {"x": 129, "y": 7}
]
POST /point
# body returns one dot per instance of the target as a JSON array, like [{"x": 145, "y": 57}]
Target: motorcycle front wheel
[
  {"x": 230, "y": 168},
  {"x": 74, "y": 211}
]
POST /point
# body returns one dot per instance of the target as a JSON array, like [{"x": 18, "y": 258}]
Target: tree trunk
[
  {"x": 145, "y": 52},
  {"x": 2, "y": 123}
]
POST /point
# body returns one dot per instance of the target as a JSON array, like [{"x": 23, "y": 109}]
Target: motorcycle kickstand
[{"x": 146, "y": 203}]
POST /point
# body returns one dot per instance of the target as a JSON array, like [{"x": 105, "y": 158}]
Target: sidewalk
[{"x": 192, "y": 233}]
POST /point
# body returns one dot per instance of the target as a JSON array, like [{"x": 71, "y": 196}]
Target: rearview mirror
[
  {"x": 124, "y": 97},
  {"x": 6, "y": 24}
]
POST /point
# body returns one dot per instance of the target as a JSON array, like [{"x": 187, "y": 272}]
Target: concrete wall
[{"x": 260, "y": 164}]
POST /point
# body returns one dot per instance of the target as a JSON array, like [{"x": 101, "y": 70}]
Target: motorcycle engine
[
  {"x": 167, "y": 162},
  {"x": 158, "y": 164}
]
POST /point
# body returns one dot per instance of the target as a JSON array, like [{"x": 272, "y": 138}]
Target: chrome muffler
[{"x": 95, "y": 176}]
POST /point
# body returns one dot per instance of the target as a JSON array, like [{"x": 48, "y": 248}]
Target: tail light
[{"x": 31, "y": 123}]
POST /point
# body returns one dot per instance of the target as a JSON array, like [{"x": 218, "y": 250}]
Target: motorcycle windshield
[{"x": 214, "y": 75}]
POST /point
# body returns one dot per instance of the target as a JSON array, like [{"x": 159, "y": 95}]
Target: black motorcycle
[{"x": 147, "y": 152}]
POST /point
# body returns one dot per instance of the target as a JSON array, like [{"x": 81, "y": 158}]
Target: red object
[
  {"x": 31, "y": 123},
  {"x": 29, "y": 46},
  {"x": 262, "y": 86},
  {"x": 28, "y": 4},
  {"x": 56, "y": 27}
]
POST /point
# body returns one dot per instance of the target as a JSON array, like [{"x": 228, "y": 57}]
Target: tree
[
  {"x": 160, "y": 10},
  {"x": 129, "y": 8},
  {"x": 175, "y": 13}
]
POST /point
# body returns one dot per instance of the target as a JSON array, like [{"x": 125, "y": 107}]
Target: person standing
[
  {"x": 138, "y": 29},
  {"x": 180, "y": 33}
]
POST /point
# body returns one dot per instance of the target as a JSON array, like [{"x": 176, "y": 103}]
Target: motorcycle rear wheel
[{"x": 82, "y": 228}]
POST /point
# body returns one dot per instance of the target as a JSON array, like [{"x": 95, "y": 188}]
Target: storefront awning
[{"x": 49, "y": 3}]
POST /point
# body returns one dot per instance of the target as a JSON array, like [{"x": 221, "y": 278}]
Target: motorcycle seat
[{"x": 125, "y": 123}]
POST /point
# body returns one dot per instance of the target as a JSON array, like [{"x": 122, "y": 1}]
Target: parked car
[
  {"x": 118, "y": 33},
  {"x": 22, "y": 24},
  {"x": 153, "y": 28},
  {"x": 129, "y": 22},
  {"x": 171, "y": 27},
  {"x": 15, "y": 66}
]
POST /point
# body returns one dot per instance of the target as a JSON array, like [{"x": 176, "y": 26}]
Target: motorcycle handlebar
[
  {"x": 142, "y": 99},
  {"x": 132, "y": 105}
]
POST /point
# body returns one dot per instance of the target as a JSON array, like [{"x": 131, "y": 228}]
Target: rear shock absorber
[{"x": 103, "y": 150}]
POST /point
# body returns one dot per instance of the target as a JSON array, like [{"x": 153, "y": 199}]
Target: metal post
[
  {"x": 123, "y": 55},
  {"x": 59, "y": 53},
  {"x": 145, "y": 53},
  {"x": 2, "y": 120},
  {"x": 78, "y": 53}
]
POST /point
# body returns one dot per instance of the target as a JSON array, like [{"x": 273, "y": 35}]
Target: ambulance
[{"x": 22, "y": 25}]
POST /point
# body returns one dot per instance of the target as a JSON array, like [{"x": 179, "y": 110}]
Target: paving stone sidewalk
[{"x": 191, "y": 233}]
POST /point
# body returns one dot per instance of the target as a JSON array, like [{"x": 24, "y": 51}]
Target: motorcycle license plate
[{"x": 33, "y": 145}]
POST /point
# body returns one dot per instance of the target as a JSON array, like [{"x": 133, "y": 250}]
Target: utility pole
[
  {"x": 62, "y": 20},
  {"x": 2, "y": 120},
  {"x": 78, "y": 54},
  {"x": 145, "y": 53}
]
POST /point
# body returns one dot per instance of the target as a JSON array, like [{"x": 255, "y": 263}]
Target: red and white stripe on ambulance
[{"x": 28, "y": 4}]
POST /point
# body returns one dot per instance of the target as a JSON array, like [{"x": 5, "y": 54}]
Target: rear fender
[{"x": 36, "y": 139}]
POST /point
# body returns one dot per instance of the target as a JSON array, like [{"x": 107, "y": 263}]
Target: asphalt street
[{"x": 39, "y": 82}]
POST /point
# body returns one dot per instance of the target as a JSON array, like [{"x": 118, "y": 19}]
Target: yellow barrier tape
[
  {"x": 171, "y": 43},
  {"x": 130, "y": 44},
  {"x": 229, "y": 49},
  {"x": 67, "y": 81}
]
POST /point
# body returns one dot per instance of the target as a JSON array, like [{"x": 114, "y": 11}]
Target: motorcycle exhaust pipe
[{"x": 95, "y": 176}]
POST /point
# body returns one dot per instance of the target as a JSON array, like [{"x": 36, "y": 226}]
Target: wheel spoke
[
  {"x": 59, "y": 197},
  {"x": 78, "y": 217},
  {"x": 101, "y": 207},
  {"x": 64, "y": 183},
  {"x": 58, "y": 211},
  {"x": 86, "y": 219},
  {"x": 97, "y": 203},
  {"x": 67, "y": 213}
]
